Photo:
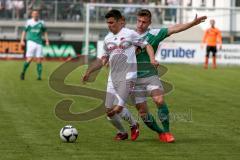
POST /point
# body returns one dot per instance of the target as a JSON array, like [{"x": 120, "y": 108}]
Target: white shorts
[
  {"x": 144, "y": 87},
  {"x": 34, "y": 50},
  {"x": 118, "y": 93}
]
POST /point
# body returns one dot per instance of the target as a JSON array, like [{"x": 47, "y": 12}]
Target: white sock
[
  {"x": 127, "y": 116},
  {"x": 116, "y": 122}
]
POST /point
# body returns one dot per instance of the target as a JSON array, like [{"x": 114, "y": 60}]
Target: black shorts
[{"x": 212, "y": 49}]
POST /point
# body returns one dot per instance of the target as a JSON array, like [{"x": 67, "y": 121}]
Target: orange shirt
[{"x": 212, "y": 36}]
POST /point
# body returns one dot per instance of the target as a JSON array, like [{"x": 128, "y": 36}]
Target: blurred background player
[
  {"x": 33, "y": 31},
  {"x": 212, "y": 37},
  {"x": 148, "y": 79}
]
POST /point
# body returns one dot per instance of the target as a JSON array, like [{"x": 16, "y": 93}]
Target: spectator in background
[
  {"x": 35, "y": 5},
  {"x": 144, "y": 2},
  {"x": 18, "y": 6},
  {"x": 63, "y": 7},
  {"x": 2, "y": 8},
  {"x": 8, "y": 9},
  {"x": 159, "y": 11},
  {"x": 189, "y": 4},
  {"x": 129, "y": 12},
  {"x": 77, "y": 10},
  {"x": 92, "y": 10},
  {"x": 173, "y": 11}
]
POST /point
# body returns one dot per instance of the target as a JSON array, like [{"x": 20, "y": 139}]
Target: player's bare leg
[
  {"x": 214, "y": 65},
  {"x": 115, "y": 120},
  {"x": 147, "y": 117},
  {"x": 163, "y": 114},
  {"x": 124, "y": 113},
  {"x": 119, "y": 111},
  {"x": 206, "y": 63},
  {"x": 39, "y": 68},
  {"x": 25, "y": 67}
]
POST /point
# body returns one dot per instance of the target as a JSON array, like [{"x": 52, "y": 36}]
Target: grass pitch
[{"x": 205, "y": 119}]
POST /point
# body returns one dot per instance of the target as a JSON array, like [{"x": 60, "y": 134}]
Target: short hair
[
  {"x": 116, "y": 14},
  {"x": 35, "y": 10},
  {"x": 144, "y": 12}
]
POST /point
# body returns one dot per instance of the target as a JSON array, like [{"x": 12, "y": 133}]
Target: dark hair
[
  {"x": 144, "y": 12},
  {"x": 35, "y": 10},
  {"x": 116, "y": 14}
]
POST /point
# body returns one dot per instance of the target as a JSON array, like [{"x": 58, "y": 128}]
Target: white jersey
[{"x": 120, "y": 48}]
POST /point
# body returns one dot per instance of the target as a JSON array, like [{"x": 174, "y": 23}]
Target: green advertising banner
[{"x": 11, "y": 49}]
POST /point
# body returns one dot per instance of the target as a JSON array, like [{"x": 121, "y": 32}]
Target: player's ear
[{"x": 150, "y": 21}]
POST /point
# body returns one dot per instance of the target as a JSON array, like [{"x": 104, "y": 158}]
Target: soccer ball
[{"x": 68, "y": 134}]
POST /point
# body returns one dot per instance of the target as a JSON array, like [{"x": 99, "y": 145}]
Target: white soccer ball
[{"x": 68, "y": 134}]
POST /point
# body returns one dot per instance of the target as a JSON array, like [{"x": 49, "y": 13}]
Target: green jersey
[
  {"x": 34, "y": 30},
  {"x": 153, "y": 37}
]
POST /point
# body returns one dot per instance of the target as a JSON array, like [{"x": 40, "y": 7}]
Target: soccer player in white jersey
[
  {"x": 34, "y": 29},
  {"x": 119, "y": 49},
  {"x": 148, "y": 81}
]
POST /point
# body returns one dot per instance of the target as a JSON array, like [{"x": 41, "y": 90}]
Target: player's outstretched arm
[
  {"x": 150, "y": 52},
  {"x": 46, "y": 38},
  {"x": 22, "y": 38},
  {"x": 182, "y": 27},
  {"x": 94, "y": 66}
]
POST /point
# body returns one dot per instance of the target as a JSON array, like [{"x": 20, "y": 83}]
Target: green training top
[
  {"x": 34, "y": 30},
  {"x": 153, "y": 37}
]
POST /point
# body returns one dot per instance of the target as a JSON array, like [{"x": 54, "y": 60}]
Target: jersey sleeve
[
  {"x": 138, "y": 41},
  {"x": 160, "y": 34}
]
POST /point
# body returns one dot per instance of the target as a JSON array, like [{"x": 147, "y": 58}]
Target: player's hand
[
  {"x": 22, "y": 43},
  {"x": 220, "y": 47},
  {"x": 202, "y": 46},
  {"x": 154, "y": 63},
  {"x": 197, "y": 20},
  {"x": 85, "y": 77},
  {"x": 138, "y": 50}
]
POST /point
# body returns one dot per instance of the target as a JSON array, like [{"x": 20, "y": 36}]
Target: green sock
[
  {"x": 151, "y": 123},
  {"x": 39, "y": 70},
  {"x": 25, "y": 66},
  {"x": 163, "y": 115}
]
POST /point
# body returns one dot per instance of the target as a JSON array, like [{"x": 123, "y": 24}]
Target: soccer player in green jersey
[
  {"x": 148, "y": 80},
  {"x": 33, "y": 31}
]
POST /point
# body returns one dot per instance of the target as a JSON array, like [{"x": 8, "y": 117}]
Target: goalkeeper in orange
[{"x": 212, "y": 37}]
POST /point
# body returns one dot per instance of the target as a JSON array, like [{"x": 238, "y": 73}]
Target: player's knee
[
  {"x": 39, "y": 61},
  {"x": 112, "y": 111},
  {"x": 29, "y": 60}
]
